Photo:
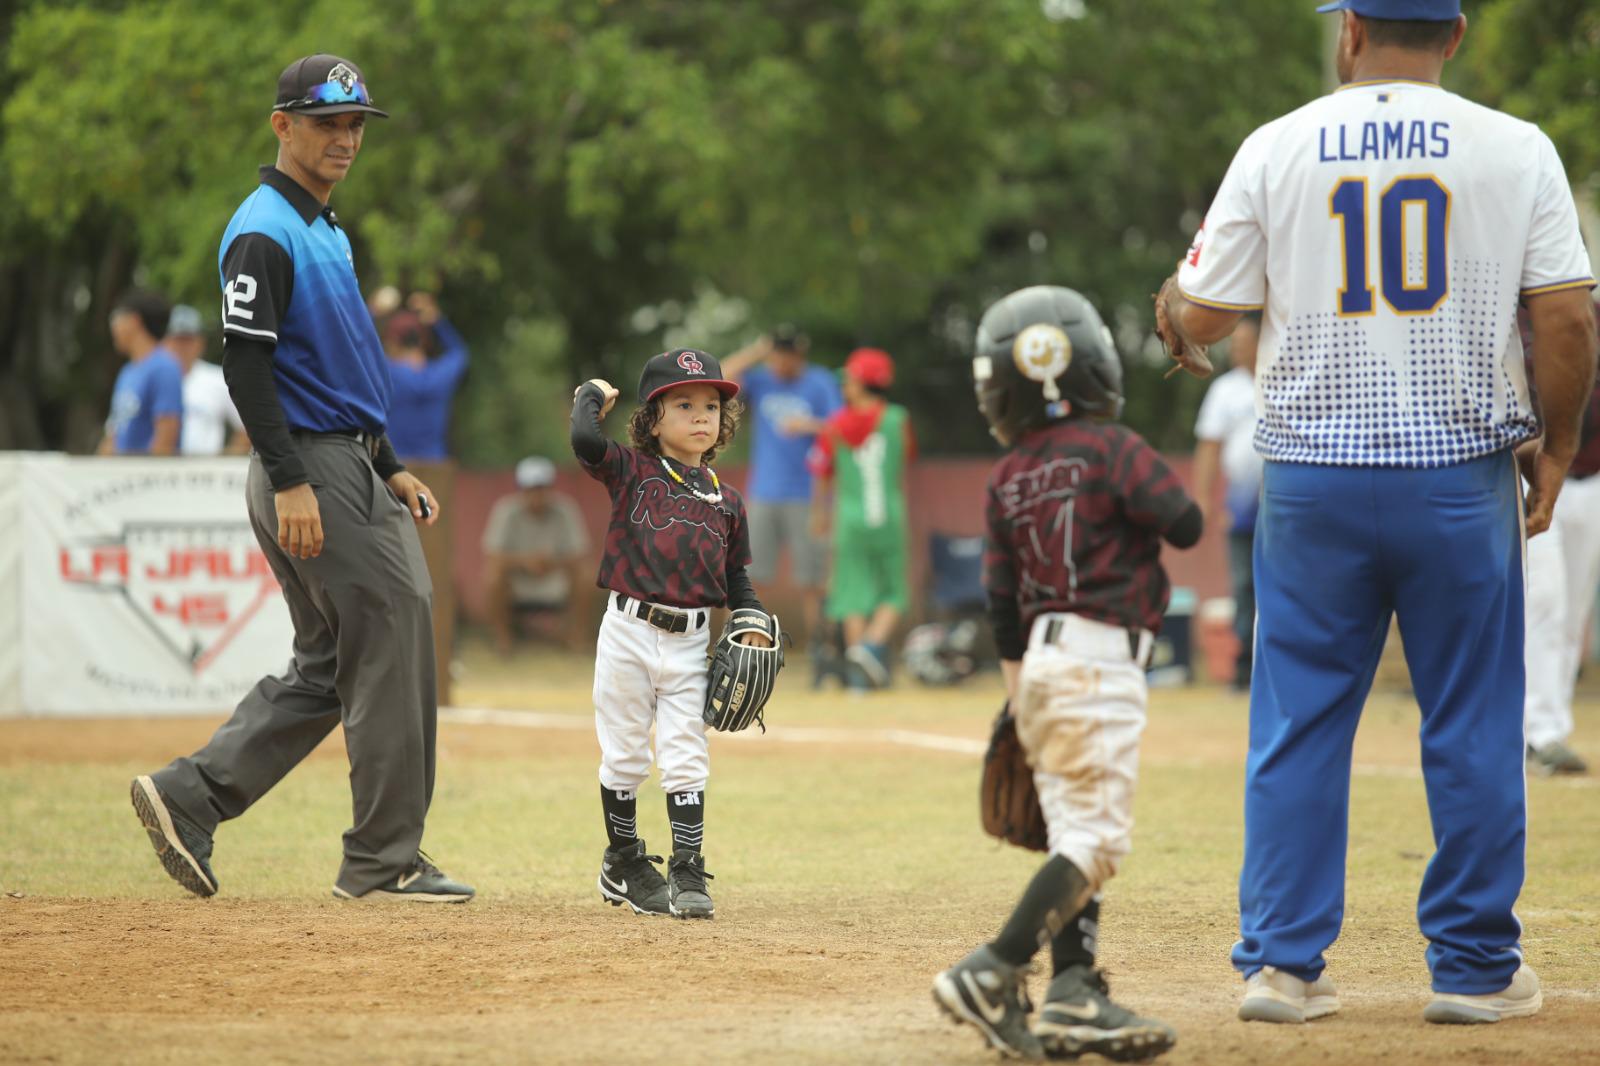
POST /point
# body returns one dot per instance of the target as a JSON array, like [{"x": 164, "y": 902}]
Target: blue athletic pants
[{"x": 1337, "y": 551}]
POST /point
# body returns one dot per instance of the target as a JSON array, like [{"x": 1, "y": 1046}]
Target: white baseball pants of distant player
[
  {"x": 647, "y": 676},
  {"x": 1080, "y": 709},
  {"x": 1563, "y": 574}
]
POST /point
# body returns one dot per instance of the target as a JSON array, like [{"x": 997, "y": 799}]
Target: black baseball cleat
[
  {"x": 183, "y": 847},
  {"x": 1078, "y": 1016},
  {"x": 628, "y": 875},
  {"x": 686, "y": 883},
  {"x": 988, "y": 993},
  {"x": 421, "y": 882}
]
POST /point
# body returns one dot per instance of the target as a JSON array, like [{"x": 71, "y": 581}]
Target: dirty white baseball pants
[{"x": 1080, "y": 710}]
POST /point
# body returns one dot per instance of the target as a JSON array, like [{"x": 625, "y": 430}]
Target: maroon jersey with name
[
  {"x": 1075, "y": 515},
  {"x": 664, "y": 544}
]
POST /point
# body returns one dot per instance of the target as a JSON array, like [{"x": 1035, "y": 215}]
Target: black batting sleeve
[
  {"x": 1006, "y": 621},
  {"x": 741, "y": 593},
  {"x": 257, "y": 284},
  {"x": 247, "y": 368},
  {"x": 1185, "y": 531},
  {"x": 1000, "y": 580},
  {"x": 588, "y": 441}
]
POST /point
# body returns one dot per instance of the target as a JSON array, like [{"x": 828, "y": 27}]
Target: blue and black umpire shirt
[{"x": 289, "y": 282}]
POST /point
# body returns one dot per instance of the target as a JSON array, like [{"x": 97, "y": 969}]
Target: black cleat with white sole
[
  {"x": 688, "y": 895},
  {"x": 987, "y": 993},
  {"x": 628, "y": 875},
  {"x": 183, "y": 847},
  {"x": 1078, "y": 1016},
  {"x": 421, "y": 882}
]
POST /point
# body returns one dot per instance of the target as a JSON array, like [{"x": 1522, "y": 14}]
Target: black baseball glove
[
  {"x": 1008, "y": 804},
  {"x": 742, "y": 676}
]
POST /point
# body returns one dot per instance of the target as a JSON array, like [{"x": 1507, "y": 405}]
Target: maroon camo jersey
[
  {"x": 664, "y": 545},
  {"x": 1075, "y": 515}
]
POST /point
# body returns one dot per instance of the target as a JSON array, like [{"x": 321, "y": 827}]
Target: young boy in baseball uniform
[
  {"x": 1077, "y": 511},
  {"x": 678, "y": 545}
]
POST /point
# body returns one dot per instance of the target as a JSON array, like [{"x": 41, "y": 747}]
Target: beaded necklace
[{"x": 712, "y": 498}]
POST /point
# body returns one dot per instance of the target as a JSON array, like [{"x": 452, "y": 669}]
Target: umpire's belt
[
  {"x": 1091, "y": 639},
  {"x": 360, "y": 436},
  {"x": 671, "y": 619}
]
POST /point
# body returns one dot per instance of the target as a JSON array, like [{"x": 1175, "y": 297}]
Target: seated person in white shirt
[{"x": 536, "y": 550}]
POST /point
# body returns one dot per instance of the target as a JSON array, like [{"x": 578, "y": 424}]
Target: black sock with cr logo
[
  {"x": 622, "y": 816},
  {"x": 1075, "y": 944},
  {"x": 687, "y": 813}
]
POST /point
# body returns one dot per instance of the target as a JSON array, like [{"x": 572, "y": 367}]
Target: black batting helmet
[{"x": 1042, "y": 353}]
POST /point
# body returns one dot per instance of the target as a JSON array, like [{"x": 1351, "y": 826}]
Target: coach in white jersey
[{"x": 1387, "y": 232}]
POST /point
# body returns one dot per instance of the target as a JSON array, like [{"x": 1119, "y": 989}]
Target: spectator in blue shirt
[
  {"x": 147, "y": 401},
  {"x": 789, "y": 400},
  {"x": 424, "y": 388}
]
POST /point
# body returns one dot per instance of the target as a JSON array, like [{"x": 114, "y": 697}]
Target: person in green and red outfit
[{"x": 860, "y": 459}]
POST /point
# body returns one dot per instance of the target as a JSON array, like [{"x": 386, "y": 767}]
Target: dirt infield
[
  {"x": 154, "y": 982},
  {"x": 850, "y": 874}
]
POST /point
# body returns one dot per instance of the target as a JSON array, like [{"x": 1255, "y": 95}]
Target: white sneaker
[
  {"x": 1519, "y": 999},
  {"x": 1270, "y": 995}
]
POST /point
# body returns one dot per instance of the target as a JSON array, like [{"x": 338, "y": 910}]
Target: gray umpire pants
[{"x": 363, "y": 656}]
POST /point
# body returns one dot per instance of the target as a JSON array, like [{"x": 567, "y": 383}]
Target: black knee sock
[
  {"x": 622, "y": 817},
  {"x": 1075, "y": 944},
  {"x": 1053, "y": 898},
  {"x": 687, "y": 813}
]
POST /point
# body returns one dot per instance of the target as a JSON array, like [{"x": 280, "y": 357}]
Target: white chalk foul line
[
  {"x": 905, "y": 738},
  {"x": 908, "y": 738}
]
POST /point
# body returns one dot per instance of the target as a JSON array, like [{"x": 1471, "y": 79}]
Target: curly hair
[{"x": 646, "y": 415}]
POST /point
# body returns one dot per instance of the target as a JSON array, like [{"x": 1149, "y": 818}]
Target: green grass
[{"x": 861, "y": 863}]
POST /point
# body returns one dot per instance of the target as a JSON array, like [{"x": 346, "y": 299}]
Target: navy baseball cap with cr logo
[
  {"x": 1400, "y": 10},
  {"x": 324, "y": 85},
  {"x": 682, "y": 366}
]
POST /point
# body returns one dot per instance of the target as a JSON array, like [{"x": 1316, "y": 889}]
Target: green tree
[
  {"x": 1540, "y": 61},
  {"x": 577, "y": 178}
]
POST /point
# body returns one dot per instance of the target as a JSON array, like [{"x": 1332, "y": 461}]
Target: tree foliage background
[{"x": 586, "y": 182}]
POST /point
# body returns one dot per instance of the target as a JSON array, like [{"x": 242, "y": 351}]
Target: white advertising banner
[
  {"x": 143, "y": 588},
  {"x": 10, "y": 583}
]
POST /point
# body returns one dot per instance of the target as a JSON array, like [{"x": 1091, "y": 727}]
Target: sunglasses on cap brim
[{"x": 330, "y": 92}]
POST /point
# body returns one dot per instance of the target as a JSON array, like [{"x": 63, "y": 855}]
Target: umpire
[{"x": 329, "y": 503}]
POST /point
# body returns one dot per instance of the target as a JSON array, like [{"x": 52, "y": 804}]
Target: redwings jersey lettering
[
  {"x": 664, "y": 545},
  {"x": 1075, "y": 514},
  {"x": 1388, "y": 230}
]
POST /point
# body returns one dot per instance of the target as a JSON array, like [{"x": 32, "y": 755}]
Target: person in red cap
[{"x": 860, "y": 457}]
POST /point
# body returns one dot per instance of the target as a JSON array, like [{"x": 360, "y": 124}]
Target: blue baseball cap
[{"x": 1400, "y": 10}]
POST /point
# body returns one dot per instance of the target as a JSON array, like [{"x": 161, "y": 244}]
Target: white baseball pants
[
  {"x": 643, "y": 676},
  {"x": 1563, "y": 573},
  {"x": 1080, "y": 709}
]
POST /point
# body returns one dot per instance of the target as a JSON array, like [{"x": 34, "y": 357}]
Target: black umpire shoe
[
  {"x": 988, "y": 993},
  {"x": 183, "y": 847},
  {"x": 422, "y": 882},
  {"x": 1078, "y": 1016},
  {"x": 686, "y": 882},
  {"x": 628, "y": 875}
]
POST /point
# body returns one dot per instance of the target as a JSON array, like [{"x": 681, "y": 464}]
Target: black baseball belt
[
  {"x": 670, "y": 619},
  {"x": 369, "y": 441}
]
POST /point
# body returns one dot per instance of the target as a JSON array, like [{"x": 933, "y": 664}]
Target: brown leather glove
[
  {"x": 1192, "y": 358},
  {"x": 1007, "y": 800}
]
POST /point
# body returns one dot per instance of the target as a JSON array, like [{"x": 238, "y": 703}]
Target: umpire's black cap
[
  {"x": 682, "y": 366},
  {"x": 323, "y": 85}
]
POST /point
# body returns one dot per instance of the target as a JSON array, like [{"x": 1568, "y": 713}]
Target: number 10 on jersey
[{"x": 1348, "y": 207}]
